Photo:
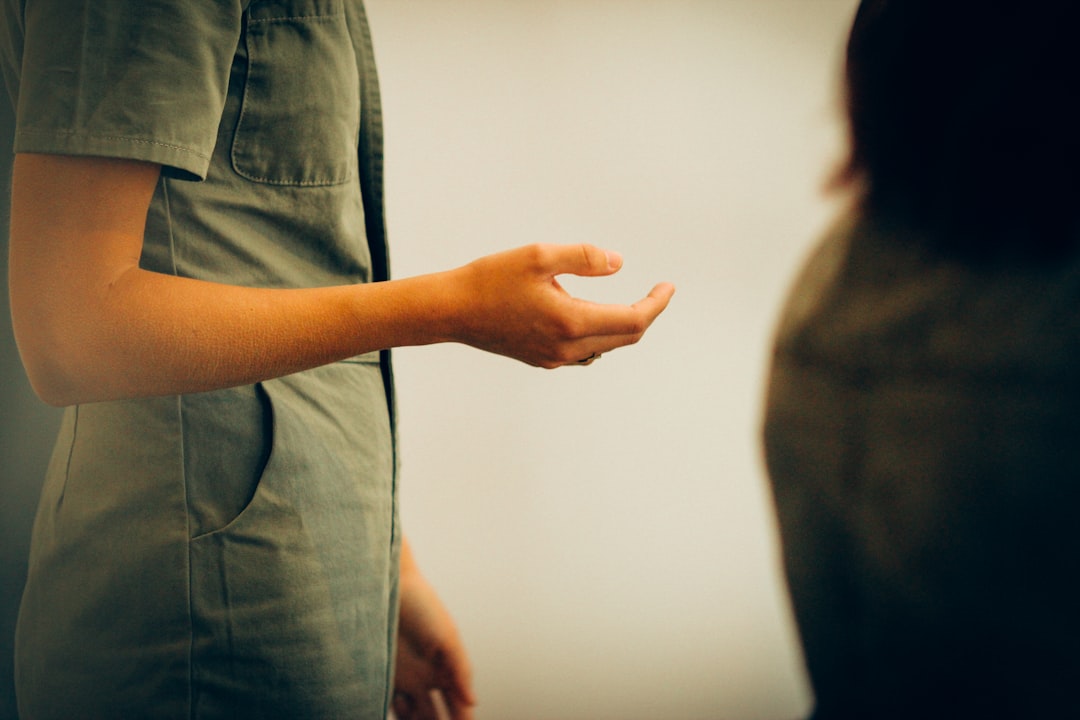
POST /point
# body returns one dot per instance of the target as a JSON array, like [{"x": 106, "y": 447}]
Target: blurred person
[
  {"x": 921, "y": 418},
  {"x": 199, "y": 274}
]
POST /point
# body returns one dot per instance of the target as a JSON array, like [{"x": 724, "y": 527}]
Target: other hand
[{"x": 432, "y": 665}]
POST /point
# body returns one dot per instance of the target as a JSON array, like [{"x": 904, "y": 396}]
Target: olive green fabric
[
  {"x": 921, "y": 434},
  {"x": 229, "y": 554}
]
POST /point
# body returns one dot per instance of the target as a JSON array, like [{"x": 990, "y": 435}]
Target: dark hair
[{"x": 964, "y": 120}]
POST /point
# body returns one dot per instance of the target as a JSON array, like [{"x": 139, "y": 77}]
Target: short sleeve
[{"x": 136, "y": 79}]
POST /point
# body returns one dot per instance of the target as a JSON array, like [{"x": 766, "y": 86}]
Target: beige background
[{"x": 604, "y": 535}]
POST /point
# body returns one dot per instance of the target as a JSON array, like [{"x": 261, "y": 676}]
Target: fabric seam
[
  {"x": 142, "y": 141},
  {"x": 183, "y": 477},
  {"x": 307, "y": 18},
  {"x": 70, "y": 455}
]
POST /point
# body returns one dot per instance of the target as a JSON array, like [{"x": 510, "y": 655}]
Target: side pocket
[{"x": 228, "y": 438}]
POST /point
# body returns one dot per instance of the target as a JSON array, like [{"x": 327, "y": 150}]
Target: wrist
[{"x": 447, "y": 314}]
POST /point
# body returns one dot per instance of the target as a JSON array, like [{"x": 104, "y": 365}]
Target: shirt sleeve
[{"x": 136, "y": 79}]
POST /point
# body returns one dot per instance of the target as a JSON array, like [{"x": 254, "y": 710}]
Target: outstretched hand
[{"x": 517, "y": 308}]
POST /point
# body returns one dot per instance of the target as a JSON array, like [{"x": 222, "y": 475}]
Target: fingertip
[
  {"x": 663, "y": 290},
  {"x": 614, "y": 260},
  {"x": 461, "y": 707},
  {"x": 466, "y": 695},
  {"x": 657, "y": 300}
]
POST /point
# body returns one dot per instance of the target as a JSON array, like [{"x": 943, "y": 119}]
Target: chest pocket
[{"x": 300, "y": 114}]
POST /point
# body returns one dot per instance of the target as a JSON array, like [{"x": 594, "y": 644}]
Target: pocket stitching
[
  {"x": 260, "y": 388},
  {"x": 239, "y": 143}
]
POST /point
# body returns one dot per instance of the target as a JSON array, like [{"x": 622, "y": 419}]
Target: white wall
[{"x": 603, "y": 535}]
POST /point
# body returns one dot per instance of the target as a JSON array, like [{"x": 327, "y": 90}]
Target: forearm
[{"x": 151, "y": 334}]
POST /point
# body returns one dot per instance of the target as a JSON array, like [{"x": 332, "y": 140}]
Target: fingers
[
  {"x": 434, "y": 686},
  {"x": 460, "y": 711},
  {"x": 458, "y": 688},
  {"x": 416, "y": 706},
  {"x": 403, "y": 706},
  {"x": 625, "y": 320},
  {"x": 432, "y": 705},
  {"x": 585, "y": 260},
  {"x": 656, "y": 301},
  {"x": 608, "y": 327}
]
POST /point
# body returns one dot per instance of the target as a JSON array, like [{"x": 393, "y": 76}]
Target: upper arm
[{"x": 76, "y": 225}]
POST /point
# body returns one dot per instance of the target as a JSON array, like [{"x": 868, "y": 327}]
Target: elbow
[
  {"x": 70, "y": 348},
  {"x": 50, "y": 380},
  {"x": 51, "y": 363},
  {"x": 52, "y": 397},
  {"x": 49, "y": 326},
  {"x": 55, "y": 396}
]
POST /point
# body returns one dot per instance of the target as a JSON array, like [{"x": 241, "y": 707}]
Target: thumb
[{"x": 585, "y": 260}]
